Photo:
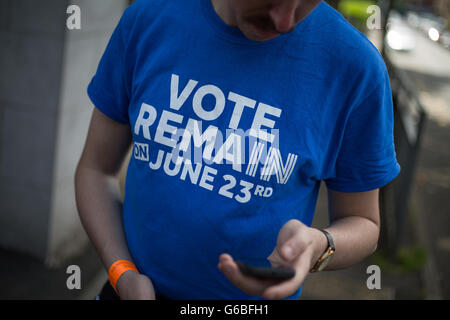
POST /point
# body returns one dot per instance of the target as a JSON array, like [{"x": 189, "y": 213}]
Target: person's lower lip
[{"x": 265, "y": 34}]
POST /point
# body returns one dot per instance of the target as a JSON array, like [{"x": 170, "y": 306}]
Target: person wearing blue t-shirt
[{"x": 235, "y": 112}]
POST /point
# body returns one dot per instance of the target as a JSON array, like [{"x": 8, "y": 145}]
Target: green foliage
[
  {"x": 408, "y": 259},
  {"x": 355, "y": 8},
  {"x": 356, "y": 11}
]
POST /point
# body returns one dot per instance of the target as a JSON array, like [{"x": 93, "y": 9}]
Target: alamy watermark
[
  {"x": 73, "y": 21},
  {"x": 374, "y": 280},
  {"x": 374, "y": 20},
  {"x": 74, "y": 279}
]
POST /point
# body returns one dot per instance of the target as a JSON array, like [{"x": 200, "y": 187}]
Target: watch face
[{"x": 325, "y": 262}]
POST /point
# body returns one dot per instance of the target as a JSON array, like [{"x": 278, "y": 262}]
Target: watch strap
[
  {"x": 326, "y": 256},
  {"x": 330, "y": 239}
]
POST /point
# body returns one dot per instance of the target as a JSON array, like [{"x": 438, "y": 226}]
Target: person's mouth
[{"x": 265, "y": 30}]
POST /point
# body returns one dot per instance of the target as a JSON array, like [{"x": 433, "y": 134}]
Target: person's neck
[{"x": 223, "y": 11}]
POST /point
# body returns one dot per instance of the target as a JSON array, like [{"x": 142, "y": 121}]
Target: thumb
[
  {"x": 289, "y": 250},
  {"x": 289, "y": 244}
]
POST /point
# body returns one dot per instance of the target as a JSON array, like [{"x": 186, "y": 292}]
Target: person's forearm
[
  {"x": 355, "y": 238},
  {"x": 100, "y": 210}
]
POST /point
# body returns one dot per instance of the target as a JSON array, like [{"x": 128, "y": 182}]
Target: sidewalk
[{"x": 23, "y": 277}]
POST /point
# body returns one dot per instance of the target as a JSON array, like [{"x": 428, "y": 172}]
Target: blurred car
[
  {"x": 399, "y": 36},
  {"x": 428, "y": 22},
  {"x": 445, "y": 39}
]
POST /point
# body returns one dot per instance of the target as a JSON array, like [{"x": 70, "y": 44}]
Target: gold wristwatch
[{"x": 326, "y": 256}]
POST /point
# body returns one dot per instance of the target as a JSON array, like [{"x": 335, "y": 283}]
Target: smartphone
[{"x": 262, "y": 269}]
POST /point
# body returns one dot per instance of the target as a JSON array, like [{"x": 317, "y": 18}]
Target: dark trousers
[{"x": 108, "y": 293}]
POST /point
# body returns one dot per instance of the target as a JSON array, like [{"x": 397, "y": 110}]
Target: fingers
[
  {"x": 275, "y": 260},
  {"x": 290, "y": 250},
  {"x": 293, "y": 239},
  {"x": 295, "y": 248},
  {"x": 249, "y": 285},
  {"x": 288, "y": 288}
]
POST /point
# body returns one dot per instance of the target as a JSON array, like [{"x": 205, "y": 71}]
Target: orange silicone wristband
[{"x": 117, "y": 269}]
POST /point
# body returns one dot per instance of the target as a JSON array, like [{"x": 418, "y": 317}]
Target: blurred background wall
[{"x": 44, "y": 115}]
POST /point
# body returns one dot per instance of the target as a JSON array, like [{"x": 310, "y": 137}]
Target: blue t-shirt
[{"x": 232, "y": 137}]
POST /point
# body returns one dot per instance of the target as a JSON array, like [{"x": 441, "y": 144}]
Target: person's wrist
[
  {"x": 126, "y": 280},
  {"x": 320, "y": 244},
  {"x": 118, "y": 269}
]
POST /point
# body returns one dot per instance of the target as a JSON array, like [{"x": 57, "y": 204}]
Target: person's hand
[
  {"x": 298, "y": 247},
  {"x": 134, "y": 286}
]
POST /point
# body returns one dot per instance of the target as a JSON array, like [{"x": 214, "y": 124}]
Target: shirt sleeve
[
  {"x": 367, "y": 158},
  {"x": 109, "y": 89}
]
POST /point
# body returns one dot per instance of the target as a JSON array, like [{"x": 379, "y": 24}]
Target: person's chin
[{"x": 256, "y": 34}]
